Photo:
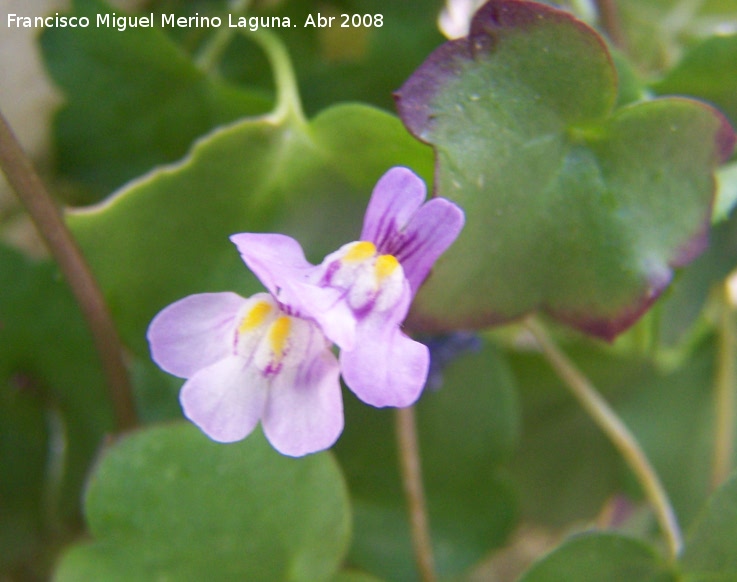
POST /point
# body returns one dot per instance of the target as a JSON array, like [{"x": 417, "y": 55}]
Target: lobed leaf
[
  {"x": 166, "y": 235},
  {"x": 168, "y": 503},
  {"x": 573, "y": 208}
]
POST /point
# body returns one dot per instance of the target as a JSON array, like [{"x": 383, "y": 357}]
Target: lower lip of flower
[
  {"x": 371, "y": 281},
  {"x": 269, "y": 338}
]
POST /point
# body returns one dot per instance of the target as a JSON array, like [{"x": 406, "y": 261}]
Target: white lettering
[
  {"x": 253, "y": 23},
  {"x": 19, "y": 21},
  {"x": 322, "y": 21},
  {"x": 55, "y": 21},
  {"x": 195, "y": 21}
]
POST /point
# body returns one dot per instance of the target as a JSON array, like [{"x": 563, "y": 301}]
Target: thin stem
[
  {"x": 212, "y": 52},
  {"x": 288, "y": 103},
  {"x": 725, "y": 394},
  {"x": 411, "y": 471},
  {"x": 618, "y": 433},
  {"x": 33, "y": 195},
  {"x": 611, "y": 23}
]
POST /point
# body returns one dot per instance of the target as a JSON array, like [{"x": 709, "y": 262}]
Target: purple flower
[
  {"x": 268, "y": 358},
  {"x": 361, "y": 293},
  {"x": 247, "y": 360}
]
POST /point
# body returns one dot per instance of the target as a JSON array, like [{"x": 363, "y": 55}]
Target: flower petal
[
  {"x": 194, "y": 332},
  {"x": 337, "y": 322},
  {"x": 395, "y": 199},
  {"x": 226, "y": 400},
  {"x": 304, "y": 411},
  {"x": 278, "y": 261},
  {"x": 399, "y": 224},
  {"x": 431, "y": 231},
  {"x": 386, "y": 368}
]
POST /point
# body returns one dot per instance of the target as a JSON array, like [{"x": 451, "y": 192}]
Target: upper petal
[
  {"x": 278, "y": 261},
  {"x": 226, "y": 400},
  {"x": 386, "y": 368},
  {"x": 398, "y": 223},
  {"x": 429, "y": 233},
  {"x": 304, "y": 410},
  {"x": 396, "y": 197},
  {"x": 194, "y": 332}
]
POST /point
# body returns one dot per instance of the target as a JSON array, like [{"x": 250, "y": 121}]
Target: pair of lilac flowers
[{"x": 269, "y": 357}]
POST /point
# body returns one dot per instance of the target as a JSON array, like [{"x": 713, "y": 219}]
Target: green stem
[
  {"x": 212, "y": 52},
  {"x": 411, "y": 471},
  {"x": 618, "y": 433},
  {"x": 289, "y": 103},
  {"x": 45, "y": 215},
  {"x": 725, "y": 394}
]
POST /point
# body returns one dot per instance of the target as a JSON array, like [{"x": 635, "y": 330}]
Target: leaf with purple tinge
[{"x": 573, "y": 208}]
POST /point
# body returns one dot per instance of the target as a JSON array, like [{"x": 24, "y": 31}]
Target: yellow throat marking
[
  {"x": 278, "y": 334},
  {"x": 385, "y": 266},
  {"x": 255, "y": 317},
  {"x": 360, "y": 251}
]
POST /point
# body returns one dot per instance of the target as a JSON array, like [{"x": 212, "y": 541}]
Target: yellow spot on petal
[
  {"x": 360, "y": 251},
  {"x": 278, "y": 334},
  {"x": 255, "y": 317},
  {"x": 385, "y": 266}
]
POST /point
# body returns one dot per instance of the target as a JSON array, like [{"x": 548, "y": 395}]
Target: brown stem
[
  {"x": 409, "y": 460},
  {"x": 45, "y": 215},
  {"x": 725, "y": 396},
  {"x": 611, "y": 23}
]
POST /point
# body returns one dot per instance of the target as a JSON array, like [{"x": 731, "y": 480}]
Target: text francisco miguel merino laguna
[{"x": 171, "y": 20}]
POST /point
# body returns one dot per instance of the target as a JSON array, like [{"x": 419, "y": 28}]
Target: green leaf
[
  {"x": 351, "y": 62},
  {"x": 682, "y": 307},
  {"x": 602, "y": 557},
  {"x": 467, "y": 431},
  {"x": 657, "y": 31},
  {"x": 726, "y": 192},
  {"x": 23, "y": 447},
  {"x": 23, "y": 428},
  {"x": 168, "y": 503},
  {"x": 630, "y": 88},
  {"x": 133, "y": 100},
  {"x": 354, "y": 576},
  {"x": 53, "y": 402},
  {"x": 572, "y": 208},
  {"x": 342, "y": 62},
  {"x": 562, "y": 447},
  {"x": 166, "y": 235},
  {"x": 706, "y": 71},
  {"x": 156, "y": 392},
  {"x": 711, "y": 547}
]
